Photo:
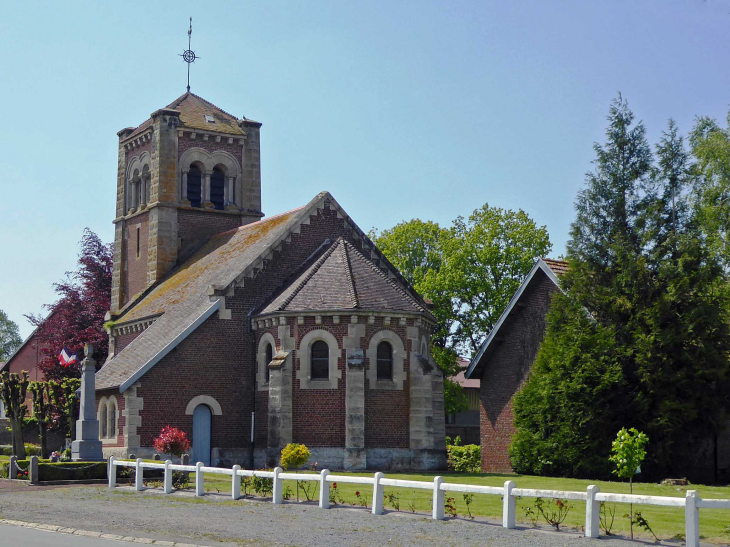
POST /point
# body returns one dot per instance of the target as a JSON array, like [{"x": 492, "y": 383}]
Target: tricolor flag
[{"x": 66, "y": 357}]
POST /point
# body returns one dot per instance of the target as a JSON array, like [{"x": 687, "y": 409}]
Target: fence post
[
  {"x": 199, "y": 480},
  {"x": 13, "y": 467},
  {"x": 278, "y": 487},
  {"x": 691, "y": 520},
  {"x": 438, "y": 499},
  {"x": 236, "y": 483},
  {"x": 168, "y": 477},
  {"x": 324, "y": 490},
  {"x": 593, "y": 512},
  {"x": 33, "y": 477},
  {"x": 138, "y": 475},
  {"x": 509, "y": 506},
  {"x": 111, "y": 473},
  {"x": 378, "y": 494}
]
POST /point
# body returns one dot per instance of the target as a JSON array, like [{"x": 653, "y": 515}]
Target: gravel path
[{"x": 217, "y": 520}]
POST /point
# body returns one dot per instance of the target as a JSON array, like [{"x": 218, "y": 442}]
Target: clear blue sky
[{"x": 400, "y": 109}]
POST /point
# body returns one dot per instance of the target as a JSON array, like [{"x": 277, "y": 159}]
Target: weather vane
[{"x": 189, "y": 55}]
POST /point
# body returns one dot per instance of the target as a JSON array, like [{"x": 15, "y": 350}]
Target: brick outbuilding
[
  {"x": 503, "y": 361},
  {"x": 249, "y": 332}
]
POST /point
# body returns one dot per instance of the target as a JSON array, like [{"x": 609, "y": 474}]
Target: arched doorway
[{"x": 201, "y": 434}]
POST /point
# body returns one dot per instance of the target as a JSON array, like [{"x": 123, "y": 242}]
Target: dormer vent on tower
[{"x": 190, "y": 171}]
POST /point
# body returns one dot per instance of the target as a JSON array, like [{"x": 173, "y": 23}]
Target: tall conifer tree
[{"x": 640, "y": 336}]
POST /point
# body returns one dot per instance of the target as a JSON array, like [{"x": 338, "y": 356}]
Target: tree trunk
[
  {"x": 42, "y": 439},
  {"x": 18, "y": 444},
  {"x": 631, "y": 510}
]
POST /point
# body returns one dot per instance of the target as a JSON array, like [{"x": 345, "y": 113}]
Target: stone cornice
[
  {"x": 137, "y": 325},
  {"x": 390, "y": 318},
  {"x": 211, "y": 135},
  {"x": 138, "y": 140}
]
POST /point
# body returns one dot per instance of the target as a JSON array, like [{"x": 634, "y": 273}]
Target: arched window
[
  {"x": 112, "y": 420},
  {"x": 385, "y": 361},
  {"x": 103, "y": 419},
  {"x": 320, "y": 360},
  {"x": 194, "y": 185},
  {"x": 217, "y": 187},
  {"x": 269, "y": 358}
]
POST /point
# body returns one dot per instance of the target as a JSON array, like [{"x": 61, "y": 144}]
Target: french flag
[{"x": 67, "y": 358}]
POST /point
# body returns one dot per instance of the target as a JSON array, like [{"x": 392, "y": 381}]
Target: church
[{"x": 248, "y": 331}]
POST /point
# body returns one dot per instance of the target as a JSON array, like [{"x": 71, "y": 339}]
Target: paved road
[
  {"x": 26, "y": 537},
  {"x": 182, "y": 517}
]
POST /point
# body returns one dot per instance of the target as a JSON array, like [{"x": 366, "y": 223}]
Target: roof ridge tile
[{"x": 348, "y": 269}]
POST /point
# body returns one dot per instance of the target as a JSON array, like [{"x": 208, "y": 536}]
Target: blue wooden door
[{"x": 201, "y": 434}]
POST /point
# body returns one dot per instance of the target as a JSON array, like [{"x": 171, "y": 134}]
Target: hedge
[
  {"x": 61, "y": 471},
  {"x": 30, "y": 450},
  {"x": 71, "y": 471}
]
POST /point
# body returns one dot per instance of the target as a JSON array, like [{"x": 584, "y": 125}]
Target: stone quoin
[{"x": 251, "y": 332}]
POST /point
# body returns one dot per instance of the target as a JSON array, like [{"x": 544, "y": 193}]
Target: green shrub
[
  {"x": 465, "y": 459},
  {"x": 71, "y": 471},
  {"x": 294, "y": 456},
  {"x": 30, "y": 450}
]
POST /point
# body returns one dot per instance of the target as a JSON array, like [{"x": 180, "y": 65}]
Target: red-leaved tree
[
  {"x": 172, "y": 441},
  {"x": 77, "y": 317}
]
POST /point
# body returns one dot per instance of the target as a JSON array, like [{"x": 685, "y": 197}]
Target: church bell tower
[{"x": 190, "y": 171}]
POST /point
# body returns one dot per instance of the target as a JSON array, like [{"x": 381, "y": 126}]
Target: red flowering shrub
[{"x": 172, "y": 441}]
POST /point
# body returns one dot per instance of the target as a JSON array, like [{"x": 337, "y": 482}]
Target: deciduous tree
[
  {"x": 9, "y": 337},
  {"x": 77, "y": 317},
  {"x": 14, "y": 389}
]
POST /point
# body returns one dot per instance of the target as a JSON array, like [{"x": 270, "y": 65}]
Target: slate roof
[
  {"x": 342, "y": 278},
  {"x": 182, "y": 297},
  {"x": 193, "y": 110},
  {"x": 557, "y": 266}
]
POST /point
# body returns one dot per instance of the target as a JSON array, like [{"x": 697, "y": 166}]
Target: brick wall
[
  {"x": 26, "y": 358},
  {"x": 319, "y": 415},
  {"x": 507, "y": 369},
  {"x": 135, "y": 263},
  {"x": 387, "y": 413},
  {"x": 121, "y": 341},
  {"x": 196, "y": 225}
]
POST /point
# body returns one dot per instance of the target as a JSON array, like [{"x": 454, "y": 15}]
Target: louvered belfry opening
[
  {"x": 217, "y": 185},
  {"x": 194, "y": 185}
]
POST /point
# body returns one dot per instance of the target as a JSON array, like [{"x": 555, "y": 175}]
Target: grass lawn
[{"x": 667, "y": 522}]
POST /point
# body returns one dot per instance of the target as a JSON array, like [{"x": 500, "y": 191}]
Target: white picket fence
[{"x": 593, "y": 496}]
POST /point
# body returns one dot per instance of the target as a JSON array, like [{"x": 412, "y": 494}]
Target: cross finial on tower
[{"x": 189, "y": 55}]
